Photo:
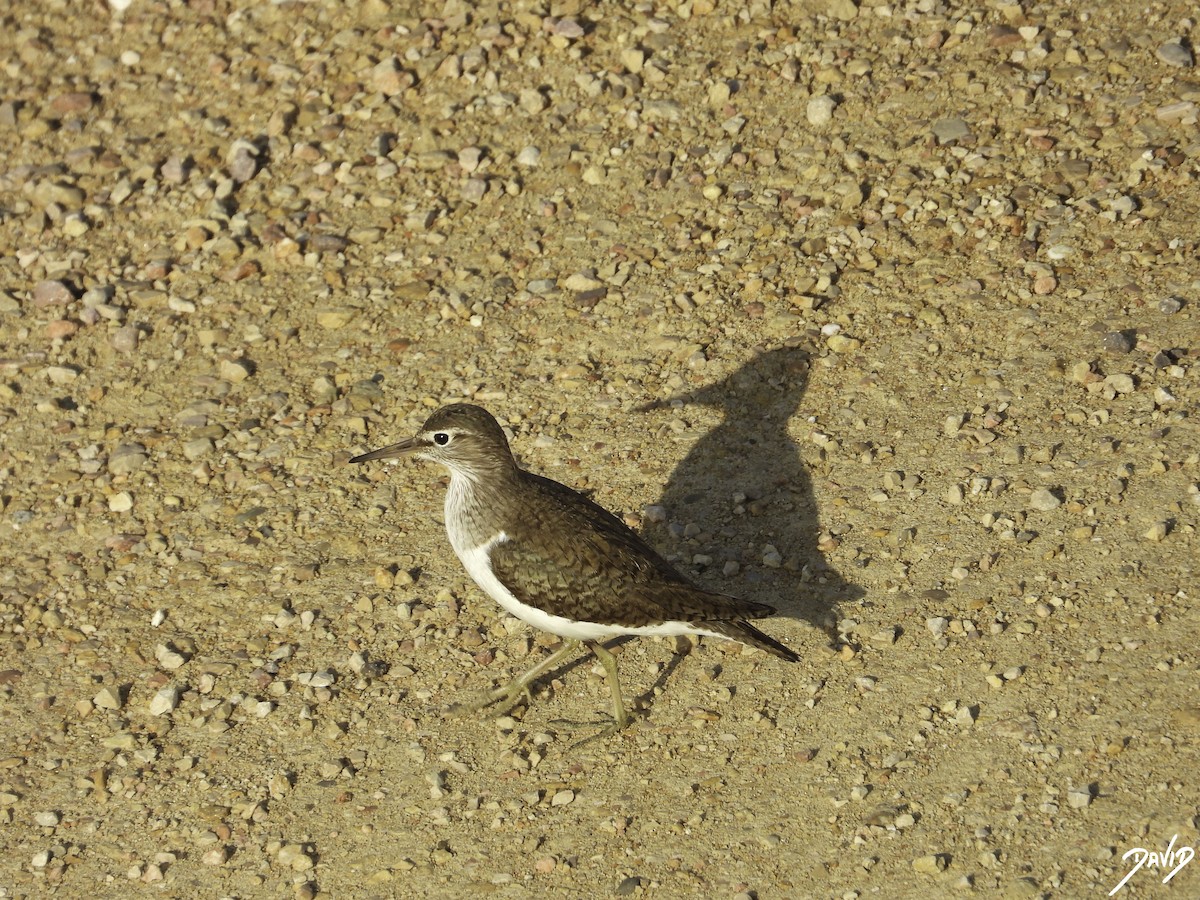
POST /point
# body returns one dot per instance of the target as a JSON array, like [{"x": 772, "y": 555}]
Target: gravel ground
[{"x": 886, "y": 315}]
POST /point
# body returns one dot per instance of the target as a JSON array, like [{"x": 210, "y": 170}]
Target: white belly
[{"x": 475, "y": 561}]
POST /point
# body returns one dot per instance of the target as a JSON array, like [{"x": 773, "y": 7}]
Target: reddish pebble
[
  {"x": 76, "y": 101},
  {"x": 1004, "y": 36},
  {"x": 48, "y": 293},
  {"x": 241, "y": 271},
  {"x": 125, "y": 339},
  {"x": 1045, "y": 284},
  {"x": 61, "y": 328}
]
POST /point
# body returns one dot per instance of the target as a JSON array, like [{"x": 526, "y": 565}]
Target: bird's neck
[{"x": 476, "y": 504}]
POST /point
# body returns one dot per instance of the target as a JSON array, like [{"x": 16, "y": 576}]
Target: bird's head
[{"x": 464, "y": 438}]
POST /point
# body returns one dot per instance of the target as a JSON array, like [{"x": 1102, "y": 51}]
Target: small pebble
[
  {"x": 127, "y": 459},
  {"x": 108, "y": 698},
  {"x": 1118, "y": 342},
  {"x": 529, "y": 157},
  {"x": 215, "y": 856},
  {"x": 295, "y": 857},
  {"x": 1045, "y": 499},
  {"x": 1121, "y": 383},
  {"x": 1079, "y": 797},
  {"x": 168, "y": 658},
  {"x": 1162, "y": 360},
  {"x": 929, "y": 864},
  {"x": 125, "y": 339},
  {"x": 820, "y": 111},
  {"x": 235, "y": 370},
  {"x": 885, "y": 637},
  {"x": 655, "y": 514},
  {"x": 333, "y": 319},
  {"x": 51, "y": 293},
  {"x": 164, "y": 701},
  {"x": 1175, "y": 53},
  {"x": 841, "y": 344},
  {"x": 1156, "y": 532},
  {"x": 841, "y": 9},
  {"x": 562, "y": 798},
  {"x": 948, "y": 131},
  {"x": 1045, "y": 284}
]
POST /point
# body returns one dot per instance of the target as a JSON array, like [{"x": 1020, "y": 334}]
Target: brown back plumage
[{"x": 597, "y": 569}]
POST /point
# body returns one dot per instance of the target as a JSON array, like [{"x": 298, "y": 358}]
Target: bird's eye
[{"x": 441, "y": 439}]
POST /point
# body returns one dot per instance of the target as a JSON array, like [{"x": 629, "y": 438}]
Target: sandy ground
[{"x": 884, "y": 315}]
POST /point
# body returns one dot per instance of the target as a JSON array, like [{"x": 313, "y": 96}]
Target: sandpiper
[{"x": 553, "y": 558}]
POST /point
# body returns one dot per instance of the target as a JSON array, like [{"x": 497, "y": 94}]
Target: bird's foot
[
  {"x": 507, "y": 696},
  {"x": 518, "y": 688},
  {"x": 610, "y": 727}
]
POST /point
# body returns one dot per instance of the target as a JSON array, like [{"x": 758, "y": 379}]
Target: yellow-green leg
[
  {"x": 620, "y": 717},
  {"x": 519, "y": 686}
]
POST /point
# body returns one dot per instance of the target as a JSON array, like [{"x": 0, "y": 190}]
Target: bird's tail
[{"x": 741, "y": 630}]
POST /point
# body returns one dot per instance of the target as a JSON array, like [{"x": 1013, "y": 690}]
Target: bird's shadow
[{"x": 743, "y": 495}]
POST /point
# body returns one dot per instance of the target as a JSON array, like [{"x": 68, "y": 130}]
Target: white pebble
[
  {"x": 530, "y": 156},
  {"x": 820, "y": 111},
  {"x": 167, "y": 658},
  {"x": 1079, "y": 797},
  {"x": 1044, "y": 499},
  {"x": 316, "y": 679},
  {"x": 108, "y": 698},
  {"x": 164, "y": 701}
]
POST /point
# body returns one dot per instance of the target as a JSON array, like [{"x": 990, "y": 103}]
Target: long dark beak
[{"x": 392, "y": 452}]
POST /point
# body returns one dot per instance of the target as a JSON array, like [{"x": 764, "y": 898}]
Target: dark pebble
[
  {"x": 589, "y": 298},
  {"x": 1119, "y": 342},
  {"x": 329, "y": 243},
  {"x": 628, "y": 886}
]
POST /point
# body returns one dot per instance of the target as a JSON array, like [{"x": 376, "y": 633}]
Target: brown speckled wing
[{"x": 590, "y": 567}]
